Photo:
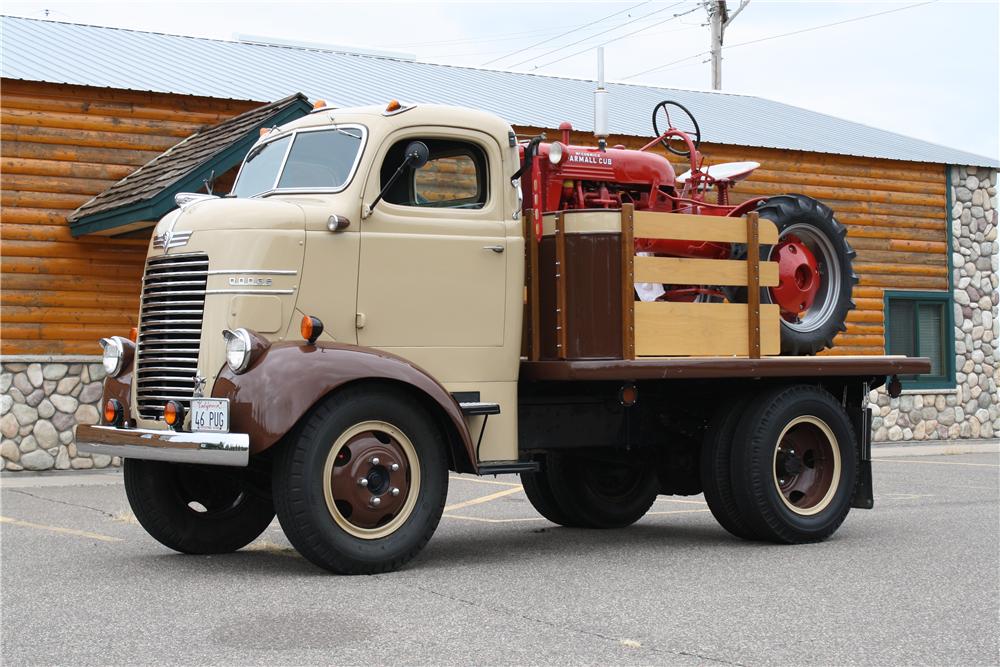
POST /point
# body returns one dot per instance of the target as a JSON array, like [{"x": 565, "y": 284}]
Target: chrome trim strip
[
  {"x": 266, "y": 272},
  {"x": 225, "y": 449},
  {"x": 250, "y": 291}
]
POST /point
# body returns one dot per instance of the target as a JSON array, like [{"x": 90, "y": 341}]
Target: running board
[
  {"x": 507, "y": 467},
  {"x": 473, "y": 408}
]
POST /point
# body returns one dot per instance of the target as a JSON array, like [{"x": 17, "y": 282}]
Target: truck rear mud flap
[{"x": 864, "y": 495}]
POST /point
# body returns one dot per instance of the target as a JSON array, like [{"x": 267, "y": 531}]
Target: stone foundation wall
[
  {"x": 972, "y": 409},
  {"x": 40, "y": 404}
]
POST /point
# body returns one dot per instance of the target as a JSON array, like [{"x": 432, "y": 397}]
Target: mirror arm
[{"x": 389, "y": 184}]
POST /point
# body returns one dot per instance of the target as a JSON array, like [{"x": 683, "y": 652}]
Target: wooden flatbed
[{"x": 665, "y": 368}]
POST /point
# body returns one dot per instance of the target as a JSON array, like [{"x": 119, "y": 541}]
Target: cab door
[{"x": 432, "y": 276}]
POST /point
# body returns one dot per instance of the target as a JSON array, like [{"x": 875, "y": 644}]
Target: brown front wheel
[{"x": 362, "y": 487}]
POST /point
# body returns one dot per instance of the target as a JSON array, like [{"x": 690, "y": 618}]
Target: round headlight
[
  {"x": 114, "y": 353},
  {"x": 556, "y": 152},
  {"x": 237, "y": 349}
]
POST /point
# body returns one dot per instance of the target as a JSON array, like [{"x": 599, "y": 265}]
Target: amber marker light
[
  {"x": 133, "y": 334},
  {"x": 394, "y": 105},
  {"x": 311, "y": 328},
  {"x": 173, "y": 413},
  {"x": 113, "y": 412},
  {"x": 628, "y": 395},
  {"x": 319, "y": 104}
]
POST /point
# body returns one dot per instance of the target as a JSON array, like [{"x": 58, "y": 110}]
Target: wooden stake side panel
[
  {"x": 686, "y": 227},
  {"x": 671, "y": 329},
  {"x": 684, "y": 271}
]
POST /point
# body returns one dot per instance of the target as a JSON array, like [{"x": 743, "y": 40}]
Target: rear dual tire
[
  {"x": 781, "y": 467},
  {"x": 581, "y": 492}
]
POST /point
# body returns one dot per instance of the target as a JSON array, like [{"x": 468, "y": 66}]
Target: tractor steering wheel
[{"x": 674, "y": 132}]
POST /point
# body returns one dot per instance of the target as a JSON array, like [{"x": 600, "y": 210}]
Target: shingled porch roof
[{"x": 144, "y": 196}]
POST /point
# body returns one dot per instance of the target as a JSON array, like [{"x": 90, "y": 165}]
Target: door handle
[{"x": 495, "y": 248}]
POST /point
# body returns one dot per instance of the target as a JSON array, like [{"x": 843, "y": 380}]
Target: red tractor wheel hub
[{"x": 798, "y": 277}]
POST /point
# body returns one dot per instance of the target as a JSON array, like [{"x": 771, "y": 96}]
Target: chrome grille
[{"x": 173, "y": 303}]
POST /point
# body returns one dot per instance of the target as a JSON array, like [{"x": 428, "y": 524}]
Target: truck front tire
[
  {"x": 195, "y": 509},
  {"x": 361, "y": 487},
  {"x": 794, "y": 465}
]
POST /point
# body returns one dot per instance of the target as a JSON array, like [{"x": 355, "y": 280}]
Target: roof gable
[{"x": 148, "y": 193}]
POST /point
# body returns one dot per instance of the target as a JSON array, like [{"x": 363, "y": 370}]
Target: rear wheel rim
[
  {"x": 806, "y": 465},
  {"x": 371, "y": 479},
  {"x": 825, "y": 302}
]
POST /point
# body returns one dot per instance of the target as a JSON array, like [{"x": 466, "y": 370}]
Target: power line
[
  {"x": 487, "y": 53},
  {"x": 495, "y": 38},
  {"x": 628, "y": 34},
  {"x": 579, "y": 41},
  {"x": 560, "y": 36},
  {"x": 785, "y": 34}
]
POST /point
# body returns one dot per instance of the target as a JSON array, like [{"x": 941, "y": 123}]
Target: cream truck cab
[{"x": 356, "y": 319}]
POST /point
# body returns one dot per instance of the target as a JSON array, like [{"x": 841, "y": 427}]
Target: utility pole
[{"x": 720, "y": 18}]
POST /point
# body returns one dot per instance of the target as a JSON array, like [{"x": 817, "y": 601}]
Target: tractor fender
[
  {"x": 746, "y": 207},
  {"x": 287, "y": 379}
]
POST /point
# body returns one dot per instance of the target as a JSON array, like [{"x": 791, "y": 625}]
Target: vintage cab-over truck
[{"x": 390, "y": 293}]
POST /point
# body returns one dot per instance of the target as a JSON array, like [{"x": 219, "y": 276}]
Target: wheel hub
[
  {"x": 370, "y": 481},
  {"x": 799, "y": 277},
  {"x": 807, "y": 465}
]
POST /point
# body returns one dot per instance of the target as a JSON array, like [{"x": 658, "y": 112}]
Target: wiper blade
[{"x": 350, "y": 134}]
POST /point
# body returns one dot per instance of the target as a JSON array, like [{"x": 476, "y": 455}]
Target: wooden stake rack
[{"x": 558, "y": 319}]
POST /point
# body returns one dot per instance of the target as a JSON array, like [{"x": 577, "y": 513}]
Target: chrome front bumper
[{"x": 221, "y": 449}]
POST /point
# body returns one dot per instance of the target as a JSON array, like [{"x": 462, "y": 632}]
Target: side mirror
[{"x": 417, "y": 154}]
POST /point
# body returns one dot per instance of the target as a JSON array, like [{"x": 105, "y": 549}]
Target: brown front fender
[{"x": 288, "y": 379}]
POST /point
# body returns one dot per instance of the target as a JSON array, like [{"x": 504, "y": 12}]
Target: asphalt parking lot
[{"x": 914, "y": 581}]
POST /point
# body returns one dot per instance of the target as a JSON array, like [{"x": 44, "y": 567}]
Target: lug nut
[
  {"x": 363, "y": 481},
  {"x": 394, "y": 491},
  {"x": 376, "y": 501},
  {"x": 374, "y": 461},
  {"x": 394, "y": 467}
]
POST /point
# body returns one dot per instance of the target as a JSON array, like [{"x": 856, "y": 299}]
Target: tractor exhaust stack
[{"x": 601, "y": 104}]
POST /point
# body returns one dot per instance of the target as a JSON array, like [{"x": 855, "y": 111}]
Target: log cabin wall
[
  {"x": 62, "y": 145},
  {"x": 895, "y": 213}
]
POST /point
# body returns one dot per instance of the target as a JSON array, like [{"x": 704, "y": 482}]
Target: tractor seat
[{"x": 730, "y": 172}]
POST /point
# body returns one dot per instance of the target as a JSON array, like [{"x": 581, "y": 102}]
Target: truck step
[
  {"x": 507, "y": 467},
  {"x": 471, "y": 408}
]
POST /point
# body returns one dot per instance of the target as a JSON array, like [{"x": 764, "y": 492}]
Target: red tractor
[{"x": 814, "y": 258}]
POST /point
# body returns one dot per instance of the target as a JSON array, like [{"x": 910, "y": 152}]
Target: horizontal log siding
[
  {"x": 894, "y": 212},
  {"x": 61, "y": 146}
]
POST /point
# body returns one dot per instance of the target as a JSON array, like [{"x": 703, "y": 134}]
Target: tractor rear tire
[{"x": 813, "y": 223}]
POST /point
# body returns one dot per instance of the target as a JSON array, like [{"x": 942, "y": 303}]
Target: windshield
[{"x": 318, "y": 160}]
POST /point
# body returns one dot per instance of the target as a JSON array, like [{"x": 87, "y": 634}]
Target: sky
[{"x": 924, "y": 69}]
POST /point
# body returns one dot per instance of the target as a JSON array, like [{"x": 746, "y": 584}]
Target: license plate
[{"x": 210, "y": 414}]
